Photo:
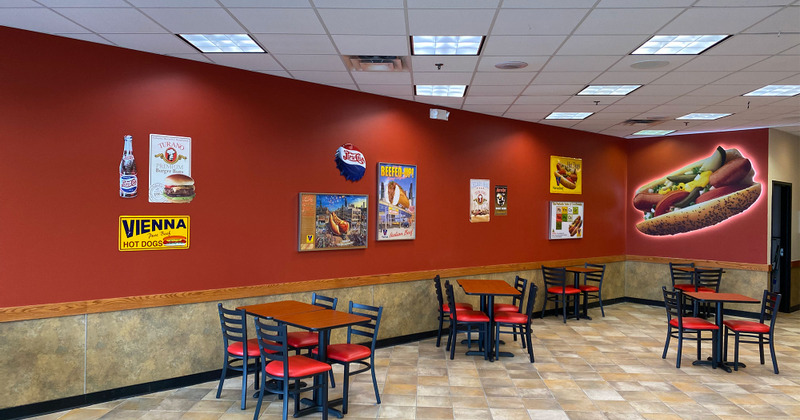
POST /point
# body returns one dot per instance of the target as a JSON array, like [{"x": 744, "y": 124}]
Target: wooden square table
[
  {"x": 283, "y": 307},
  {"x": 487, "y": 290}
]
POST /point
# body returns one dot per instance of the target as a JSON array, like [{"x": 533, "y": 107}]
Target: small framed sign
[
  {"x": 332, "y": 221},
  {"x": 566, "y": 220}
]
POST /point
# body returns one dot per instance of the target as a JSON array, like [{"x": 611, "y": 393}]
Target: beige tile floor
[{"x": 607, "y": 368}]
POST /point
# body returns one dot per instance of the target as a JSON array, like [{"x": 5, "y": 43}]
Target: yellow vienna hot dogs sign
[{"x": 145, "y": 233}]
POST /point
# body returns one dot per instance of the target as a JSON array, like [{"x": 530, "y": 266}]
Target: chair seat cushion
[
  {"x": 685, "y": 287},
  {"x": 510, "y": 317},
  {"x": 706, "y": 289},
  {"x": 588, "y": 288},
  {"x": 693, "y": 323},
  {"x": 747, "y": 326},
  {"x": 472, "y": 316},
  {"x": 252, "y": 348},
  {"x": 460, "y": 306},
  {"x": 299, "y": 339},
  {"x": 505, "y": 307},
  {"x": 568, "y": 290},
  {"x": 299, "y": 366},
  {"x": 347, "y": 352}
]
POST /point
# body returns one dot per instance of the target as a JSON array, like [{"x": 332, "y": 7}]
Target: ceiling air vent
[
  {"x": 376, "y": 63},
  {"x": 635, "y": 121}
]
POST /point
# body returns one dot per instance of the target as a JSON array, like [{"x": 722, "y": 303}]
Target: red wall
[
  {"x": 257, "y": 142},
  {"x": 741, "y": 238}
]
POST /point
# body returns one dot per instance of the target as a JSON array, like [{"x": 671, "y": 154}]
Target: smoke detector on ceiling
[{"x": 376, "y": 63}]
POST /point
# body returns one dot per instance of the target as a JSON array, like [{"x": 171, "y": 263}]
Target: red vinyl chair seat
[
  {"x": 693, "y": 323},
  {"x": 684, "y": 287},
  {"x": 299, "y": 366},
  {"x": 567, "y": 290},
  {"x": 472, "y": 316},
  {"x": 747, "y": 326},
  {"x": 346, "y": 353},
  {"x": 510, "y": 318},
  {"x": 588, "y": 288},
  {"x": 705, "y": 289},
  {"x": 298, "y": 339},
  {"x": 252, "y": 348},
  {"x": 505, "y": 307},
  {"x": 460, "y": 306}
]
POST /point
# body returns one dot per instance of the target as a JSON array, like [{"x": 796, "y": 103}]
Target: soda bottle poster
[
  {"x": 479, "y": 200},
  {"x": 565, "y": 175},
  {"x": 397, "y": 202},
  {"x": 171, "y": 169},
  {"x": 566, "y": 220}
]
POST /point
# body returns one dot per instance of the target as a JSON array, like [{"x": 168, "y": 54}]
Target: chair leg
[
  {"x": 332, "y": 380},
  {"x": 600, "y": 299},
  {"x": 725, "y": 345},
  {"x": 244, "y": 382},
  {"x": 324, "y": 391},
  {"x": 261, "y": 398},
  {"x": 680, "y": 348},
  {"x": 222, "y": 377},
  {"x": 736, "y": 351},
  {"x": 761, "y": 347},
  {"x": 439, "y": 334},
  {"x": 530, "y": 346},
  {"x": 346, "y": 387},
  {"x": 564, "y": 303},
  {"x": 374, "y": 380},
  {"x": 666, "y": 344},
  {"x": 452, "y": 345},
  {"x": 700, "y": 345},
  {"x": 544, "y": 305},
  {"x": 772, "y": 353}
]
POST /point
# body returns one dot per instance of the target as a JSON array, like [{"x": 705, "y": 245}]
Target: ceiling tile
[
  {"x": 663, "y": 90},
  {"x": 442, "y": 78},
  {"x": 522, "y": 45},
  {"x": 721, "y": 62},
  {"x": 450, "y": 63},
  {"x": 359, "y": 4},
  {"x": 489, "y": 100},
  {"x": 38, "y": 19},
  {"x": 451, "y": 4},
  {"x": 255, "y": 62},
  {"x": 732, "y": 3},
  {"x": 487, "y": 63},
  {"x": 602, "y": 101},
  {"x": 753, "y": 44},
  {"x": 311, "y": 62},
  {"x": 673, "y": 62},
  {"x": 526, "y": 116},
  {"x": 626, "y": 77},
  {"x": 566, "y": 78},
  {"x": 782, "y": 22},
  {"x": 580, "y": 63},
  {"x": 493, "y": 78},
  {"x": 371, "y": 45},
  {"x": 690, "y": 77},
  {"x": 723, "y": 90},
  {"x": 755, "y": 77},
  {"x": 21, "y": 3},
  {"x": 296, "y": 43},
  {"x": 537, "y": 22},
  {"x": 87, "y": 37},
  {"x": 450, "y": 22},
  {"x": 154, "y": 43},
  {"x": 777, "y": 63},
  {"x": 382, "y": 78},
  {"x": 333, "y": 77},
  {"x": 72, "y": 3},
  {"x": 498, "y": 109},
  {"x": 112, "y": 20},
  {"x": 364, "y": 21},
  {"x": 636, "y": 21},
  {"x": 542, "y": 99},
  {"x": 440, "y": 101},
  {"x": 192, "y": 56},
  {"x": 300, "y": 4},
  {"x": 553, "y": 90},
  {"x": 286, "y": 21},
  {"x": 716, "y": 20},
  {"x": 548, "y": 4},
  {"x": 174, "y": 3},
  {"x": 698, "y": 101},
  {"x": 542, "y": 108},
  {"x": 505, "y": 90},
  {"x": 642, "y": 3},
  {"x": 203, "y": 21},
  {"x": 389, "y": 90},
  {"x": 601, "y": 44}
]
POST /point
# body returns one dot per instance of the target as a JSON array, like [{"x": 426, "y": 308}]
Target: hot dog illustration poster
[
  {"x": 565, "y": 175},
  {"x": 171, "y": 169},
  {"x": 149, "y": 233},
  {"x": 479, "y": 200},
  {"x": 332, "y": 221},
  {"x": 397, "y": 201},
  {"x": 566, "y": 220},
  {"x": 707, "y": 191}
]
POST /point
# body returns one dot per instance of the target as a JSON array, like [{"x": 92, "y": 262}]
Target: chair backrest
[
  {"x": 679, "y": 276},
  {"x": 451, "y": 301},
  {"x": 234, "y": 328},
  {"x": 520, "y": 284},
  {"x": 534, "y": 289},
  {"x": 437, "y": 283},
  {"x": 707, "y": 277},
  {"x": 324, "y": 301},
  {"x": 596, "y": 276},
  {"x": 673, "y": 301},
  {"x": 554, "y": 276},
  {"x": 272, "y": 343},
  {"x": 369, "y": 330},
  {"x": 769, "y": 308}
]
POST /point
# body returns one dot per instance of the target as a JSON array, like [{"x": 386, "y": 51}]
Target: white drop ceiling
[{"x": 568, "y": 44}]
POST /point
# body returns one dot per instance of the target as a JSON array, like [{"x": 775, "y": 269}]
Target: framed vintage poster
[
  {"x": 332, "y": 221},
  {"x": 500, "y": 200},
  {"x": 479, "y": 200},
  {"x": 566, "y": 220},
  {"x": 170, "y": 169},
  {"x": 397, "y": 202},
  {"x": 567, "y": 176}
]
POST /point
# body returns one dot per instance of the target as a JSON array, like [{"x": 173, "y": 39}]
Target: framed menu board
[
  {"x": 566, "y": 220},
  {"x": 332, "y": 221}
]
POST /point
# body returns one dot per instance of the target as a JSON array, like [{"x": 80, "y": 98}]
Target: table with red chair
[
  {"x": 487, "y": 290},
  {"x": 577, "y": 271},
  {"x": 718, "y": 299}
]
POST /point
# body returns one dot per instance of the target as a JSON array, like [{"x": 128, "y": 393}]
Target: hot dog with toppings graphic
[{"x": 698, "y": 195}]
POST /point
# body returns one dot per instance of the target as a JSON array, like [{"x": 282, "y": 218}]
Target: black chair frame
[
  {"x": 673, "y": 301},
  {"x": 769, "y": 311},
  {"x": 525, "y": 330},
  {"x": 234, "y": 330},
  {"x": 597, "y": 280},
  {"x": 457, "y": 326},
  {"x": 557, "y": 277}
]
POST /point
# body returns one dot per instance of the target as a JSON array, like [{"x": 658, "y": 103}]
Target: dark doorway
[{"x": 780, "y": 253}]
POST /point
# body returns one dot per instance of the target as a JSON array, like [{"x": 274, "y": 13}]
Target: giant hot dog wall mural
[{"x": 708, "y": 192}]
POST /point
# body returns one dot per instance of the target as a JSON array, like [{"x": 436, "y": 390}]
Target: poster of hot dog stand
[
  {"x": 565, "y": 175},
  {"x": 566, "y": 220},
  {"x": 171, "y": 169},
  {"x": 397, "y": 202},
  {"x": 332, "y": 221}
]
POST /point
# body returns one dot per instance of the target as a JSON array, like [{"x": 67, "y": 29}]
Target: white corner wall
[{"x": 784, "y": 165}]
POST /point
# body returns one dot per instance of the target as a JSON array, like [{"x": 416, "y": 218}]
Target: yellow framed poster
[
  {"x": 151, "y": 233},
  {"x": 567, "y": 175}
]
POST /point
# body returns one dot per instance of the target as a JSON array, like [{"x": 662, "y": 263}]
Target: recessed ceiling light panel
[
  {"x": 612, "y": 90},
  {"x": 446, "y": 45},
  {"x": 678, "y": 44},
  {"x": 702, "y": 116},
  {"x": 568, "y": 115},
  {"x": 453, "y": 91},
  {"x": 653, "y": 132},
  {"x": 776, "y": 90},
  {"x": 223, "y": 43}
]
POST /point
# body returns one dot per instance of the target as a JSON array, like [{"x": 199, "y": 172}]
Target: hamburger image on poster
[{"x": 179, "y": 188}]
